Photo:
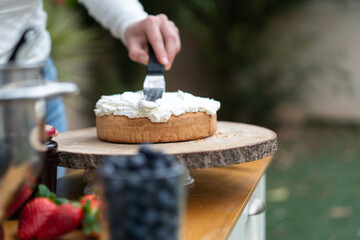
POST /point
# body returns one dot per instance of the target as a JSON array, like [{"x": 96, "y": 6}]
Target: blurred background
[{"x": 289, "y": 65}]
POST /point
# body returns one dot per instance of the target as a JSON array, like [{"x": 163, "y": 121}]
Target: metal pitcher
[{"x": 22, "y": 135}]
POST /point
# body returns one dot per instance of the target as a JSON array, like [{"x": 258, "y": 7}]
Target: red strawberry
[
  {"x": 88, "y": 197},
  {"x": 22, "y": 195},
  {"x": 67, "y": 217},
  {"x": 34, "y": 215},
  {"x": 93, "y": 200},
  {"x": 91, "y": 220}
]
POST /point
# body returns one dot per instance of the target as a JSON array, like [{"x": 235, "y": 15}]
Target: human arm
[{"x": 127, "y": 20}]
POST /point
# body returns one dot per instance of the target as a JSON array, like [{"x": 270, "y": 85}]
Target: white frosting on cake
[{"x": 172, "y": 103}]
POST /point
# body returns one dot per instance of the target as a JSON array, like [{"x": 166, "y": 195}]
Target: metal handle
[
  {"x": 256, "y": 206},
  {"x": 27, "y": 39},
  {"x": 46, "y": 90}
]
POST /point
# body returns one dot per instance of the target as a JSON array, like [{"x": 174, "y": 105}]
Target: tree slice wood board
[{"x": 231, "y": 144}]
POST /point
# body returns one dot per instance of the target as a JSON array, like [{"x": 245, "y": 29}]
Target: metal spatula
[{"x": 154, "y": 83}]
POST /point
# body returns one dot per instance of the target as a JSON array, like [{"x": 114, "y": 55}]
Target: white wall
[{"x": 335, "y": 29}]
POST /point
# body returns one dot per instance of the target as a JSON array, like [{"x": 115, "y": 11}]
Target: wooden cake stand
[{"x": 232, "y": 143}]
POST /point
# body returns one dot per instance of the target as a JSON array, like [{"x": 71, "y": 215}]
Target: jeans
[{"x": 55, "y": 110}]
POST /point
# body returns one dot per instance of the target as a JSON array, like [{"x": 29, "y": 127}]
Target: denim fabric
[{"x": 55, "y": 110}]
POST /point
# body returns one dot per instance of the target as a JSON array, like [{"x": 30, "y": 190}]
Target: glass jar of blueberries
[{"x": 143, "y": 196}]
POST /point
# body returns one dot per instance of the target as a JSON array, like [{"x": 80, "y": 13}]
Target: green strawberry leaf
[
  {"x": 60, "y": 201},
  {"x": 87, "y": 207},
  {"x": 76, "y": 204},
  {"x": 91, "y": 219},
  {"x": 43, "y": 191}
]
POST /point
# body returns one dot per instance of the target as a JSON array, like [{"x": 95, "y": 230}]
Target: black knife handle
[{"x": 154, "y": 67}]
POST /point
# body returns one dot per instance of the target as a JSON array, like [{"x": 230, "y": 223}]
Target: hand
[{"x": 160, "y": 32}]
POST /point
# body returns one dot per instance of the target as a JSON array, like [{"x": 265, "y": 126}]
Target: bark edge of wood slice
[{"x": 231, "y": 144}]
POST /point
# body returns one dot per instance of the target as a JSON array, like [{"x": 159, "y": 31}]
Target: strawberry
[
  {"x": 91, "y": 197},
  {"x": 34, "y": 215},
  {"x": 22, "y": 195},
  {"x": 67, "y": 217},
  {"x": 91, "y": 220},
  {"x": 47, "y": 216}
]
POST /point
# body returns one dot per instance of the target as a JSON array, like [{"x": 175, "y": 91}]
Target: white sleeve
[{"x": 115, "y": 15}]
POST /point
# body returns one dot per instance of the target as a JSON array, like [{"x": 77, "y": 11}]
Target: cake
[{"x": 177, "y": 116}]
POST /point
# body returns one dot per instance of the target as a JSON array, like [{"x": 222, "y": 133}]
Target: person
[{"x": 126, "y": 20}]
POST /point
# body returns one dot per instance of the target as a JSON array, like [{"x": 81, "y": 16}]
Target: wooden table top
[
  {"x": 219, "y": 197},
  {"x": 214, "y": 203},
  {"x": 231, "y": 144}
]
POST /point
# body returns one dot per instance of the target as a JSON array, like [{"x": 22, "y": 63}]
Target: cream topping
[{"x": 172, "y": 103}]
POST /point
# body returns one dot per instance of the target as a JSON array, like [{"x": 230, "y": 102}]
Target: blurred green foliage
[
  {"x": 74, "y": 47},
  {"x": 235, "y": 45},
  {"x": 249, "y": 76}
]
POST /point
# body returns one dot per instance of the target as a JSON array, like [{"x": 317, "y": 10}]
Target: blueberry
[
  {"x": 147, "y": 200},
  {"x": 150, "y": 216},
  {"x": 144, "y": 173},
  {"x": 117, "y": 233},
  {"x": 132, "y": 211},
  {"x": 136, "y": 162},
  {"x": 139, "y": 231},
  {"x": 166, "y": 199},
  {"x": 146, "y": 151},
  {"x": 130, "y": 196},
  {"x": 149, "y": 237},
  {"x": 156, "y": 159},
  {"x": 150, "y": 186},
  {"x": 133, "y": 181},
  {"x": 130, "y": 228},
  {"x": 161, "y": 232},
  {"x": 171, "y": 185},
  {"x": 107, "y": 169},
  {"x": 158, "y": 163},
  {"x": 161, "y": 173},
  {"x": 118, "y": 162},
  {"x": 172, "y": 237},
  {"x": 114, "y": 184},
  {"x": 165, "y": 217},
  {"x": 173, "y": 223},
  {"x": 170, "y": 161},
  {"x": 159, "y": 155},
  {"x": 115, "y": 201}
]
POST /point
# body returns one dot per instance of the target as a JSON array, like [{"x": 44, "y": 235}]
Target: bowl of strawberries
[{"x": 48, "y": 217}]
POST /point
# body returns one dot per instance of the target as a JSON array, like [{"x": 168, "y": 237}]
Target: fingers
[
  {"x": 153, "y": 33},
  {"x": 163, "y": 36},
  {"x": 137, "y": 49},
  {"x": 161, "y": 33},
  {"x": 171, "y": 38}
]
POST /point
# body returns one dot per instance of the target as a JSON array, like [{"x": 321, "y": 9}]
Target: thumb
[{"x": 137, "y": 51}]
